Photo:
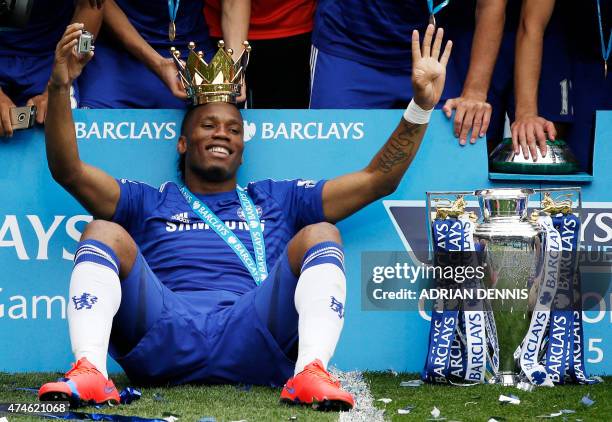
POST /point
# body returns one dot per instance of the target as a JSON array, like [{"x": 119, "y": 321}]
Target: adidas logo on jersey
[{"x": 181, "y": 217}]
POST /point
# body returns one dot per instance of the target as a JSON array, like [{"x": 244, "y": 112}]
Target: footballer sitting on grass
[{"x": 209, "y": 282}]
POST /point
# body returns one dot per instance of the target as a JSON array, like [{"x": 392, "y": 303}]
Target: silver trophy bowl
[{"x": 512, "y": 247}]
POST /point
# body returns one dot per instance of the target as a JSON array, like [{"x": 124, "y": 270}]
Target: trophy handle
[
  {"x": 569, "y": 192},
  {"x": 434, "y": 197},
  {"x": 445, "y": 202},
  {"x": 564, "y": 196}
]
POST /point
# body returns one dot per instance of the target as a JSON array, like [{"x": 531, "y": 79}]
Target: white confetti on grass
[
  {"x": 364, "y": 410},
  {"x": 587, "y": 401},
  {"x": 405, "y": 410},
  {"x": 550, "y": 416},
  {"x": 557, "y": 414},
  {"x": 411, "y": 383},
  {"x": 512, "y": 399}
]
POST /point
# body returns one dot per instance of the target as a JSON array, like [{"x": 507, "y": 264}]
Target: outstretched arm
[
  {"x": 347, "y": 194},
  {"x": 529, "y": 128},
  {"x": 164, "y": 68},
  {"x": 472, "y": 109},
  {"x": 95, "y": 190}
]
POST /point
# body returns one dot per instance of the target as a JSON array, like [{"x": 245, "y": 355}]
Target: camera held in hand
[
  {"x": 85, "y": 44},
  {"x": 15, "y": 13},
  {"x": 23, "y": 117}
]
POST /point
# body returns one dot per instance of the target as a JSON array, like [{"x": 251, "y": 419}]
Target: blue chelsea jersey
[
  {"x": 187, "y": 255},
  {"x": 151, "y": 19}
]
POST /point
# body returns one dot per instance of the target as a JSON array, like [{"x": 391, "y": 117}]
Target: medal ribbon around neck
[
  {"x": 433, "y": 10},
  {"x": 172, "y": 11},
  {"x": 605, "y": 49},
  {"x": 257, "y": 267}
]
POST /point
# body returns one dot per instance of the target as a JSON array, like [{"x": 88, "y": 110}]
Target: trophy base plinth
[
  {"x": 559, "y": 159},
  {"x": 506, "y": 379}
]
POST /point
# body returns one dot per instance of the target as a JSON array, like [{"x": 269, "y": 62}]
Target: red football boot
[
  {"x": 82, "y": 385},
  {"x": 316, "y": 387}
]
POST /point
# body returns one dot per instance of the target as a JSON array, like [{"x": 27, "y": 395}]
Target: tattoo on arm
[{"x": 401, "y": 147}]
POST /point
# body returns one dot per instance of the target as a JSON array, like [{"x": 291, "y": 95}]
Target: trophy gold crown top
[{"x": 217, "y": 81}]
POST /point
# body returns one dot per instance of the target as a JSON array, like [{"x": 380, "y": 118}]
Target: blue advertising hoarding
[{"x": 40, "y": 223}]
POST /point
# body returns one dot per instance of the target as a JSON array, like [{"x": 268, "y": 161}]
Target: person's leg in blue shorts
[
  {"x": 154, "y": 334},
  {"x": 592, "y": 92},
  {"x": 22, "y": 78},
  {"x": 160, "y": 336},
  {"x": 116, "y": 79},
  {"x": 302, "y": 301},
  {"x": 337, "y": 82}
]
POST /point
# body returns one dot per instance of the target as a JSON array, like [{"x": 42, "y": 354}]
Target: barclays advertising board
[{"x": 40, "y": 223}]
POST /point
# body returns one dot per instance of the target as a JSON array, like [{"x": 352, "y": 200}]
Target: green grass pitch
[{"x": 231, "y": 403}]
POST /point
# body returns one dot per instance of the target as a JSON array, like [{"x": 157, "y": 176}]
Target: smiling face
[{"x": 212, "y": 142}]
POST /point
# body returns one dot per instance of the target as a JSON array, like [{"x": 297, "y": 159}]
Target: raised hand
[
  {"x": 428, "y": 67},
  {"x": 68, "y": 63}
]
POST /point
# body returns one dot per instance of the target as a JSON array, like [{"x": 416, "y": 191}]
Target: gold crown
[{"x": 217, "y": 81}]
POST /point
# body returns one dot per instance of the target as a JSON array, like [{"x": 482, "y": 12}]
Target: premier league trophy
[
  {"x": 512, "y": 246},
  {"x": 520, "y": 323}
]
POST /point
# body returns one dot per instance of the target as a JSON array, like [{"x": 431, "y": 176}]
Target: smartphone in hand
[{"x": 23, "y": 117}]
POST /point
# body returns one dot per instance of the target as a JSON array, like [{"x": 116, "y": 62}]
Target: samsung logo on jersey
[
  {"x": 232, "y": 225},
  {"x": 297, "y": 131},
  {"x": 155, "y": 131}
]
